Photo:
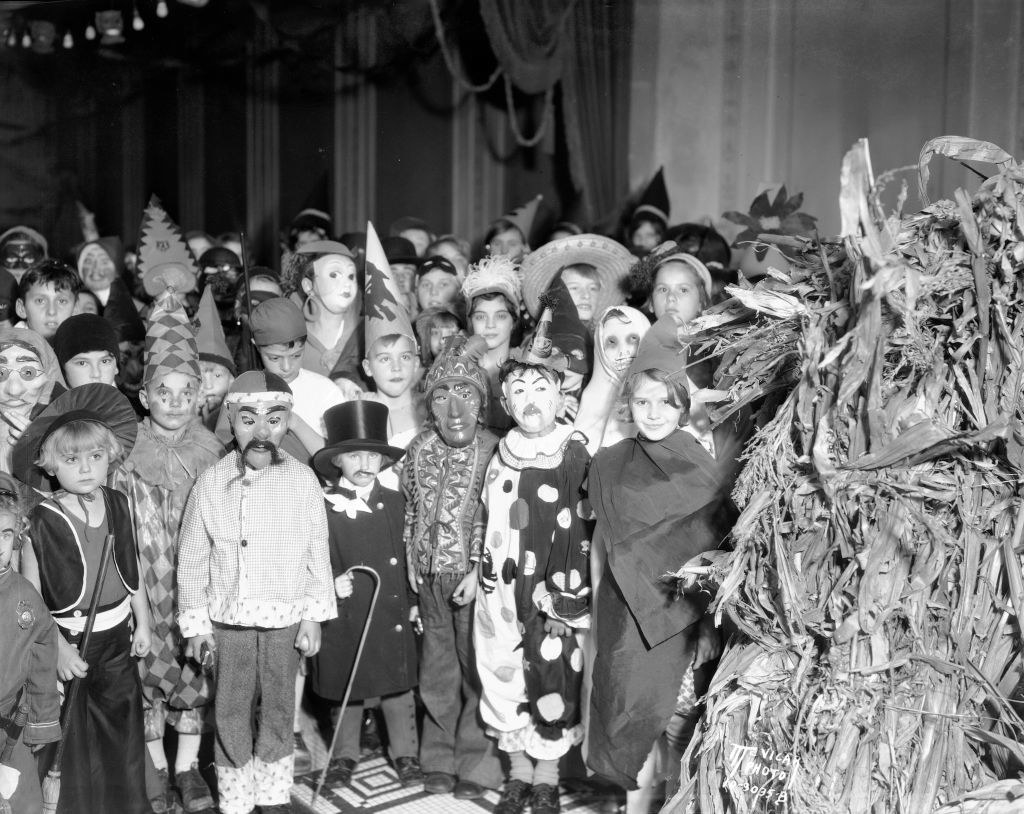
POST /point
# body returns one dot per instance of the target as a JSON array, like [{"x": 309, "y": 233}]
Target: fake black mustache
[{"x": 256, "y": 445}]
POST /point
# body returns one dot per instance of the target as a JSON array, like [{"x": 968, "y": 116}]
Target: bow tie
[{"x": 346, "y": 500}]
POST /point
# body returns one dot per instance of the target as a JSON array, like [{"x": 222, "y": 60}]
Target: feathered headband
[{"x": 493, "y": 275}]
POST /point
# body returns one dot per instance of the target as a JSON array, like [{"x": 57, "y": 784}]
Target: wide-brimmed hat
[
  {"x": 97, "y": 402},
  {"x": 611, "y": 259},
  {"x": 351, "y": 427}
]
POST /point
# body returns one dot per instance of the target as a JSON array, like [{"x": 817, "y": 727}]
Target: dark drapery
[
  {"x": 595, "y": 96},
  {"x": 585, "y": 45}
]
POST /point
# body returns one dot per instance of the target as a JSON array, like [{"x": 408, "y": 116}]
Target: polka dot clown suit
[{"x": 534, "y": 567}]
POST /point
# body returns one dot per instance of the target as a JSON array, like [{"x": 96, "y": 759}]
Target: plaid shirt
[{"x": 253, "y": 549}]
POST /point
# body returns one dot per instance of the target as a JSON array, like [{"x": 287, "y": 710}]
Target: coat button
[
  {"x": 393, "y": 561},
  {"x": 246, "y": 482},
  {"x": 380, "y": 505},
  {"x": 398, "y": 628},
  {"x": 244, "y": 543},
  {"x": 77, "y": 613}
]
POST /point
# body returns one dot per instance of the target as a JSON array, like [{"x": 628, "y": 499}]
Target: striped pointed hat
[{"x": 170, "y": 340}]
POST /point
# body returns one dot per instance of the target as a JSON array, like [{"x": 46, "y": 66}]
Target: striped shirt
[{"x": 253, "y": 548}]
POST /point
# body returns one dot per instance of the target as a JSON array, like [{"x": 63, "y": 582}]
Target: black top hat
[
  {"x": 351, "y": 427},
  {"x": 399, "y": 250}
]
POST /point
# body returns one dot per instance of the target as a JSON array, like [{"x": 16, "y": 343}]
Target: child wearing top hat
[
  {"x": 77, "y": 438},
  {"x": 365, "y": 525}
]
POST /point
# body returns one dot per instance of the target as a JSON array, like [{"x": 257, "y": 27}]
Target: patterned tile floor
[{"x": 375, "y": 788}]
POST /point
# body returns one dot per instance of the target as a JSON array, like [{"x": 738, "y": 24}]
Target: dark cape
[{"x": 657, "y": 504}]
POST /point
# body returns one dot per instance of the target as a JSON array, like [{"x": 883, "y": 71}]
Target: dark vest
[{"x": 62, "y": 559}]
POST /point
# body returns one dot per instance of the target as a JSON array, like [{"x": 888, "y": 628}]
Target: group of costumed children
[{"x": 515, "y": 513}]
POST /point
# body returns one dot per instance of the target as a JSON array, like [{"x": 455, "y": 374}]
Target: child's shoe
[
  {"x": 545, "y": 799},
  {"x": 340, "y": 769},
  {"x": 195, "y": 794},
  {"x": 514, "y": 798},
  {"x": 409, "y": 771},
  {"x": 165, "y": 801}
]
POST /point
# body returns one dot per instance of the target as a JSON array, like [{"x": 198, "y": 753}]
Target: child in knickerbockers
[
  {"x": 28, "y": 669},
  {"x": 77, "y": 439},
  {"x": 660, "y": 499},
  {"x": 534, "y": 598},
  {"x": 171, "y": 450},
  {"x": 365, "y": 521},
  {"x": 444, "y": 527}
]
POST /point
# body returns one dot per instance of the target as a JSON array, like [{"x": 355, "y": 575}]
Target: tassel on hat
[
  {"x": 210, "y": 340},
  {"x": 170, "y": 340},
  {"x": 383, "y": 309},
  {"x": 459, "y": 361},
  {"x": 525, "y": 216},
  {"x": 654, "y": 200},
  {"x": 164, "y": 256}
]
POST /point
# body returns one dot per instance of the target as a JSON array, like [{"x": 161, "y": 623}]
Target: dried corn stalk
[{"x": 875, "y": 575}]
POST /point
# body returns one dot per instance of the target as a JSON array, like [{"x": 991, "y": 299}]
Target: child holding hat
[{"x": 365, "y": 522}]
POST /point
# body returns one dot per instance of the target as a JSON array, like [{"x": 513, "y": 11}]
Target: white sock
[
  {"x": 188, "y": 752},
  {"x": 156, "y": 753}
]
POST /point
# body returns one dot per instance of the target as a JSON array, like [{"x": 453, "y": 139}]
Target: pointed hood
[
  {"x": 121, "y": 313},
  {"x": 661, "y": 350},
  {"x": 384, "y": 313},
  {"x": 210, "y": 340},
  {"x": 170, "y": 340},
  {"x": 164, "y": 256},
  {"x": 567, "y": 332},
  {"x": 654, "y": 200},
  {"x": 525, "y": 216}
]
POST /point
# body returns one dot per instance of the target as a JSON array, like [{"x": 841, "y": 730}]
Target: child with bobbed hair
[
  {"x": 660, "y": 499},
  {"x": 77, "y": 439}
]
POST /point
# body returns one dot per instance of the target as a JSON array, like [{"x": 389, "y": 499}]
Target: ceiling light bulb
[
  {"x": 69, "y": 41},
  {"x": 26, "y": 40},
  {"x": 90, "y": 33},
  {"x": 12, "y": 39},
  {"x": 137, "y": 22},
  {"x": 161, "y": 9}
]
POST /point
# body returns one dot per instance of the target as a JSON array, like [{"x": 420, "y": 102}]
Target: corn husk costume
[{"x": 875, "y": 577}]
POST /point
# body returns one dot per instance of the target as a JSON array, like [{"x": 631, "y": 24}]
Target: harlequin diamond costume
[{"x": 157, "y": 477}]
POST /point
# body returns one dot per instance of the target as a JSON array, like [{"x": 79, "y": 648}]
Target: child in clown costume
[
  {"x": 534, "y": 599},
  {"x": 172, "y": 449}
]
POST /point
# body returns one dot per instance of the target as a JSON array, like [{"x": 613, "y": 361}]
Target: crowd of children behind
[{"x": 492, "y": 465}]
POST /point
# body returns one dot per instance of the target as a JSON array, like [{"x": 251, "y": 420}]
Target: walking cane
[
  {"x": 351, "y": 677},
  {"x": 51, "y": 783}
]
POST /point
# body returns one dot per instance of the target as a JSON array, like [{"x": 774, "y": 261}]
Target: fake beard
[{"x": 262, "y": 446}]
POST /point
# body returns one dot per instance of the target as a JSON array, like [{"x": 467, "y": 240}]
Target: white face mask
[{"x": 617, "y": 339}]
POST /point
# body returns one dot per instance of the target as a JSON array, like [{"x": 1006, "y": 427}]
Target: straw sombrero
[{"x": 611, "y": 259}]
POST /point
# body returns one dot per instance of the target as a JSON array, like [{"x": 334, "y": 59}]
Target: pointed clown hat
[
  {"x": 213, "y": 346},
  {"x": 568, "y": 334},
  {"x": 164, "y": 256},
  {"x": 170, "y": 340},
  {"x": 654, "y": 200},
  {"x": 384, "y": 311},
  {"x": 540, "y": 350}
]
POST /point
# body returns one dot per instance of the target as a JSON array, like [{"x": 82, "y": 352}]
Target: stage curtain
[
  {"x": 595, "y": 98},
  {"x": 527, "y": 37}
]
